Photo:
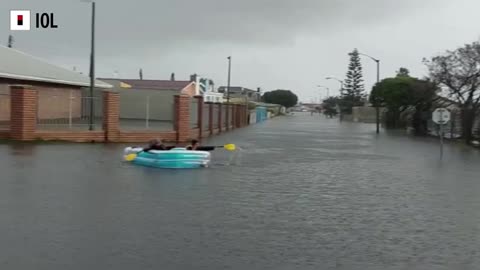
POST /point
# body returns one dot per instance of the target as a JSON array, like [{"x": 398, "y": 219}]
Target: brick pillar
[
  {"x": 232, "y": 116},
  {"x": 220, "y": 117},
  {"x": 243, "y": 115},
  {"x": 200, "y": 116},
  {"x": 227, "y": 115},
  {"x": 23, "y": 112},
  {"x": 237, "y": 116},
  {"x": 210, "y": 118},
  {"x": 111, "y": 116},
  {"x": 182, "y": 118}
]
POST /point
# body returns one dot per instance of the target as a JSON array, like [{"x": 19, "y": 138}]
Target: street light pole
[
  {"x": 229, "y": 73},
  {"x": 328, "y": 89},
  {"x": 92, "y": 67},
  {"x": 377, "y": 108},
  {"x": 228, "y": 90},
  {"x": 338, "y": 80},
  {"x": 341, "y": 91}
]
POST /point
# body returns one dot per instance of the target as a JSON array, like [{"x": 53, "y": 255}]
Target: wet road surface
[{"x": 303, "y": 193}]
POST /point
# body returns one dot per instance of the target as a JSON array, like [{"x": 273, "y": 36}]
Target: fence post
[
  {"x": 220, "y": 118},
  {"x": 182, "y": 117},
  {"x": 23, "y": 112},
  {"x": 200, "y": 116}
]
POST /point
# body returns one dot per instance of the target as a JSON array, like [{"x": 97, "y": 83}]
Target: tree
[
  {"x": 353, "y": 93},
  {"x": 140, "y": 74},
  {"x": 403, "y": 72},
  {"x": 459, "y": 72},
  {"x": 330, "y": 106},
  {"x": 401, "y": 93},
  {"x": 10, "y": 41},
  {"x": 172, "y": 77},
  {"x": 285, "y": 98}
]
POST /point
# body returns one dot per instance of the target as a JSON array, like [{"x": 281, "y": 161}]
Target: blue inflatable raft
[{"x": 177, "y": 158}]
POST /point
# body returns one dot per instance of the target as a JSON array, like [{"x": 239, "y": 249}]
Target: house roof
[
  {"x": 150, "y": 84},
  {"x": 235, "y": 89},
  {"x": 21, "y": 66}
]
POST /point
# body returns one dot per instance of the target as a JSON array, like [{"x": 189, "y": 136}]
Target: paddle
[
  {"x": 228, "y": 147},
  {"x": 131, "y": 157}
]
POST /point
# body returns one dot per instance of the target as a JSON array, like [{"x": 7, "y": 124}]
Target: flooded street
[{"x": 304, "y": 192}]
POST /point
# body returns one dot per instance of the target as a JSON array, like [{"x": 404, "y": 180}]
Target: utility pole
[
  {"x": 228, "y": 91},
  {"x": 229, "y": 73},
  {"x": 377, "y": 108},
  {"x": 92, "y": 69}
]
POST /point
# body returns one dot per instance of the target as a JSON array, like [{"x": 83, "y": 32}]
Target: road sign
[{"x": 441, "y": 116}]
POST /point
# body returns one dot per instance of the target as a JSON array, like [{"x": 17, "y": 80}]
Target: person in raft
[
  {"x": 156, "y": 144},
  {"x": 195, "y": 146}
]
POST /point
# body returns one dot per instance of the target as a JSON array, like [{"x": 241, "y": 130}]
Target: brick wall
[
  {"x": 23, "y": 105},
  {"x": 24, "y": 100},
  {"x": 4, "y": 134},
  {"x": 182, "y": 118},
  {"x": 4, "y": 102},
  {"x": 136, "y": 137},
  {"x": 200, "y": 116},
  {"x": 111, "y": 116},
  {"x": 71, "y": 136},
  {"x": 53, "y": 100}
]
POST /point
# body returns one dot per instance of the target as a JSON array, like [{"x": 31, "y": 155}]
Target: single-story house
[
  {"x": 239, "y": 92},
  {"x": 56, "y": 86},
  {"x": 155, "y": 98}
]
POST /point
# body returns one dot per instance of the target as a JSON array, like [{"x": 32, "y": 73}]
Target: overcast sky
[{"x": 286, "y": 44}]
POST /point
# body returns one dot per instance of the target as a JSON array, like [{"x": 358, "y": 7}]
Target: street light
[
  {"x": 328, "y": 89},
  {"x": 338, "y": 80},
  {"x": 377, "y": 109},
  {"x": 92, "y": 64}
]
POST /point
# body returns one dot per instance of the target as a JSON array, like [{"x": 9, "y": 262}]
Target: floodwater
[{"x": 304, "y": 192}]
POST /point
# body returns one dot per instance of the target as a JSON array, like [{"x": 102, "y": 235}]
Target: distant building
[{"x": 241, "y": 92}]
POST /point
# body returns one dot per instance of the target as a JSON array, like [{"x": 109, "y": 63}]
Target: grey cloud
[{"x": 279, "y": 43}]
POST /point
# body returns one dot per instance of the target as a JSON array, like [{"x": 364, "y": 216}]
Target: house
[
  {"x": 155, "y": 98},
  {"x": 59, "y": 90},
  {"x": 241, "y": 92}
]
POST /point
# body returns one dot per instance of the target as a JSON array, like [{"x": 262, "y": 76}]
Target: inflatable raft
[{"x": 177, "y": 158}]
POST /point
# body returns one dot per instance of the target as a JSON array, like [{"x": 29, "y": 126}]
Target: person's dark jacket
[{"x": 158, "y": 147}]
